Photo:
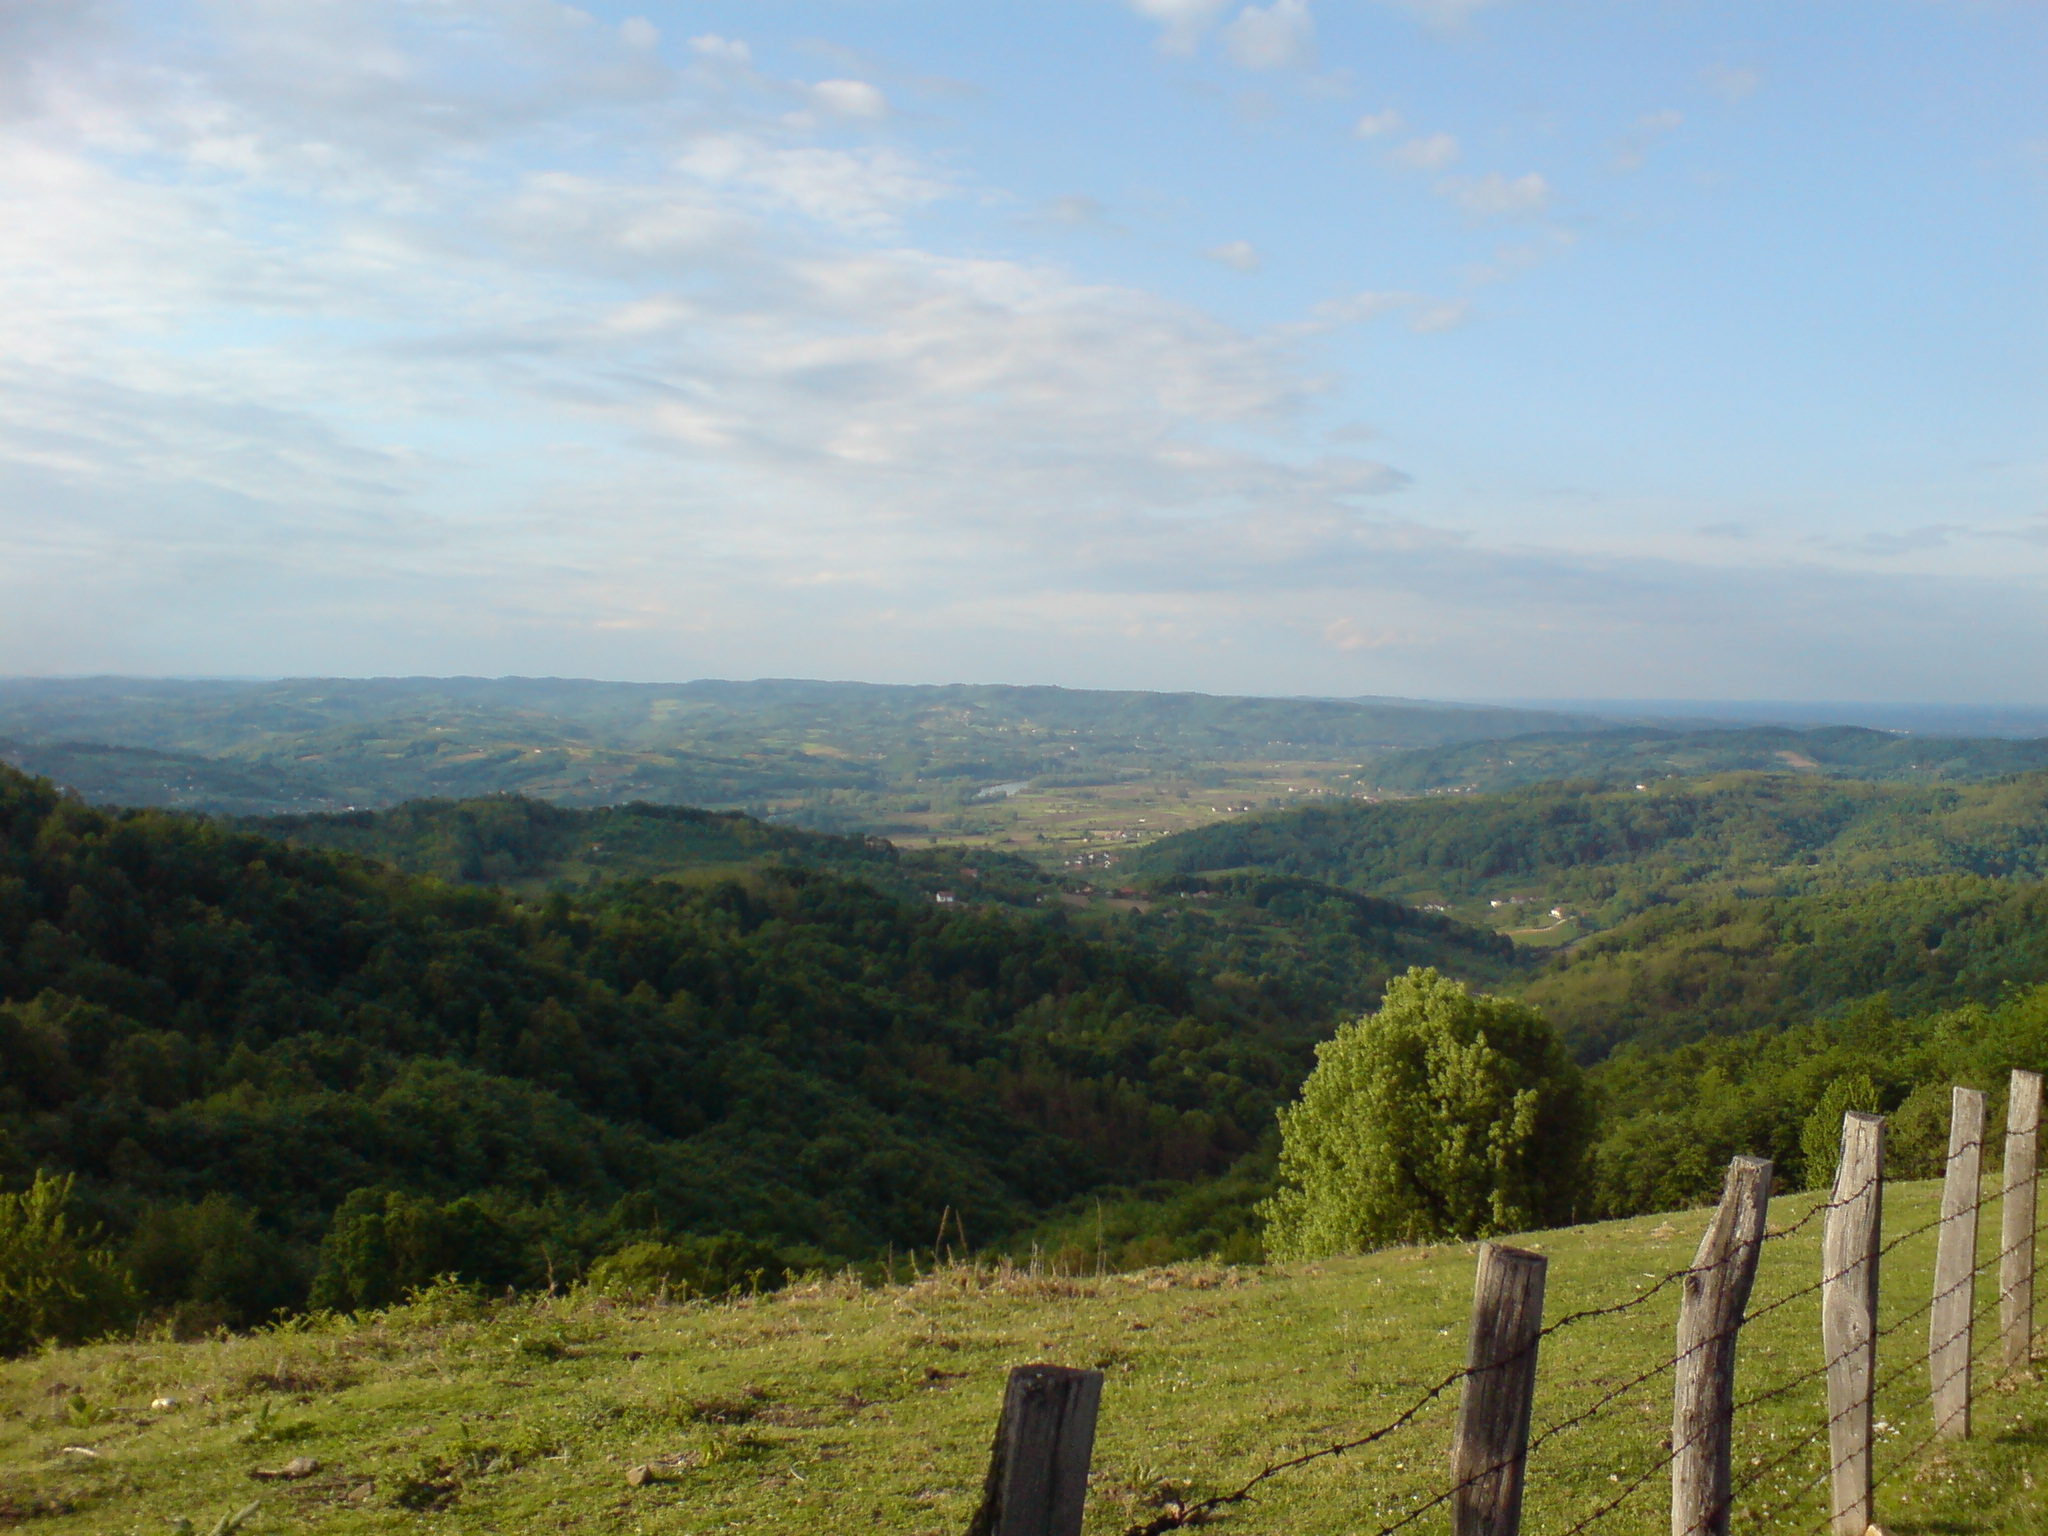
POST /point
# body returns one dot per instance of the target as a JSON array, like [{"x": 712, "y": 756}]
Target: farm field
[
  {"x": 834, "y": 1405},
  {"x": 1094, "y": 826}
]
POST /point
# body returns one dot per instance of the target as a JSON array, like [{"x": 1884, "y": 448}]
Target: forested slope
[
  {"x": 1627, "y": 754},
  {"x": 1614, "y": 852},
  {"x": 229, "y": 1039},
  {"x": 1722, "y": 965}
]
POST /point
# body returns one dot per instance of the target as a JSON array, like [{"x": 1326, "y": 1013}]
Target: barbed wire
[{"x": 1198, "y": 1511}]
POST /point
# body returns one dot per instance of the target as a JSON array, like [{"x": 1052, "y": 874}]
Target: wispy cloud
[
  {"x": 1431, "y": 152},
  {"x": 1241, "y": 254},
  {"x": 1183, "y": 23},
  {"x": 1281, "y": 35},
  {"x": 1494, "y": 196}
]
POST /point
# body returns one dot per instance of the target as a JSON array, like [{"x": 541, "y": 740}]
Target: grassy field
[
  {"x": 834, "y": 1406},
  {"x": 1092, "y": 826}
]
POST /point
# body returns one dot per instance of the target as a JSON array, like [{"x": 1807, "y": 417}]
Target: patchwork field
[{"x": 835, "y": 1405}]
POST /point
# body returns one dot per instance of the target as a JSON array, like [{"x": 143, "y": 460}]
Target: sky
[{"x": 1437, "y": 348}]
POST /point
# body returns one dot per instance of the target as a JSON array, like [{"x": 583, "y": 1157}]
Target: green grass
[{"x": 833, "y": 1407}]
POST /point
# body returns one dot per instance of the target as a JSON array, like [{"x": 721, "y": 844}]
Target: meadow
[{"x": 833, "y": 1404}]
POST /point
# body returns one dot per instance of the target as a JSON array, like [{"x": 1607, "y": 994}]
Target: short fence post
[
  {"x": 1038, "y": 1470},
  {"x": 2016, "y": 1227},
  {"x": 1949, "y": 1326},
  {"x": 1492, "y": 1443},
  {"x": 1709, "y": 1316},
  {"x": 1848, "y": 1317}
]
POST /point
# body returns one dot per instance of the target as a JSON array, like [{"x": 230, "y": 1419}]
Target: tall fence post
[
  {"x": 1709, "y": 1317},
  {"x": 1492, "y": 1443},
  {"x": 1848, "y": 1317},
  {"x": 1038, "y": 1471},
  {"x": 1950, "y": 1325},
  {"x": 2016, "y": 1227}
]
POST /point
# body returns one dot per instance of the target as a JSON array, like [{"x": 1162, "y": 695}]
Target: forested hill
[
  {"x": 1630, "y": 754},
  {"x": 1608, "y": 853},
  {"x": 1727, "y": 966},
  {"x": 229, "y": 1038}
]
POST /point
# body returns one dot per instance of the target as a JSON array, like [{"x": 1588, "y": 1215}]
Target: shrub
[
  {"x": 1443, "y": 1115},
  {"x": 386, "y": 1244},
  {"x": 212, "y": 1265},
  {"x": 57, "y": 1282},
  {"x": 1820, "y": 1138},
  {"x": 690, "y": 1266}
]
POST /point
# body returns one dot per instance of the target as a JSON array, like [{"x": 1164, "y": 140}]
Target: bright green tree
[
  {"x": 1820, "y": 1138},
  {"x": 1443, "y": 1115},
  {"x": 57, "y": 1281}
]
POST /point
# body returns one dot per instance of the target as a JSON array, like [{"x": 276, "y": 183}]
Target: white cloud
[
  {"x": 1281, "y": 36},
  {"x": 1432, "y": 152},
  {"x": 639, "y": 32},
  {"x": 851, "y": 98},
  {"x": 1183, "y": 22},
  {"x": 723, "y": 50},
  {"x": 1373, "y": 124},
  {"x": 1730, "y": 82},
  {"x": 865, "y": 189},
  {"x": 1445, "y": 13},
  {"x": 1494, "y": 196},
  {"x": 1642, "y": 134},
  {"x": 1435, "y": 319},
  {"x": 1240, "y": 254}
]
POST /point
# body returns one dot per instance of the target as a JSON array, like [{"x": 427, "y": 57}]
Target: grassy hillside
[
  {"x": 1625, "y": 755},
  {"x": 833, "y": 1406}
]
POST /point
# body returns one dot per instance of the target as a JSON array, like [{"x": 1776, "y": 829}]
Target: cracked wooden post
[
  {"x": 1492, "y": 1442},
  {"x": 1848, "y": 1317},
  {"x": 1038, "y": 1470},
  {"x": 2016, "y": 1226},
  {"x": 1951, "y": 1324},
  {"x": 1709, "y": 1316}
]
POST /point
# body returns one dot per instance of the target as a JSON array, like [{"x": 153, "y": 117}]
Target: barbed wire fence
[{"x": 1038, "y": 1470}]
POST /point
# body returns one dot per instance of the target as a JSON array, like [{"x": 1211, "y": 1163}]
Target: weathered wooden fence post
[
  {"x": 1848, "y": 1316},
  {"x": 2016, "y": 1226},
  {"x": 1038, "y": 1471},
  {"x": 1709, "y": 1317},
  {"x": 1949, "y": 1326},
  {"x": 1492, "y": 1442}
]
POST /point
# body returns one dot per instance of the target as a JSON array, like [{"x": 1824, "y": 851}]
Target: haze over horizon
[{"x": 1441, "y": 350}]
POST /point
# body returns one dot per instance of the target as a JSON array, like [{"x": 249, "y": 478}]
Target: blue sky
[{"x": 1445, "y": 349}]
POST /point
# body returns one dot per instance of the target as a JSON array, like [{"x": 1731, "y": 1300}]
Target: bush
[
  {"x": 385, "y": 1244},
  {"x": 1443, "y": 1115},
  {"x": 690, "y": 1266},
  {"x": 211, "y": 1265},
  {"x": 1820, "y": 1138},
  {"x": 56, "y": 1282}
]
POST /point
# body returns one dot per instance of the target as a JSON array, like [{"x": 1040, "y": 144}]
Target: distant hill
[
  {"x": 1607, "y": 853},
  {"x": 1306, "y": 951},
  {"x": 846, "y": 753},
  {"x": 1726, "y": 966},
  {"x": 1632, "y": 754},
  {"x": 178, "y": 780}
]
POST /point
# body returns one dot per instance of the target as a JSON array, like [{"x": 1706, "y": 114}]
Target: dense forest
[
  {"x": 1630, "y": 754},
  {"x": 229, "y": 1040},
  {"x": 1727, "y": 966},
  {"x": 317, "y": 1059},
  {"x": 1611, "y": 853}
]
